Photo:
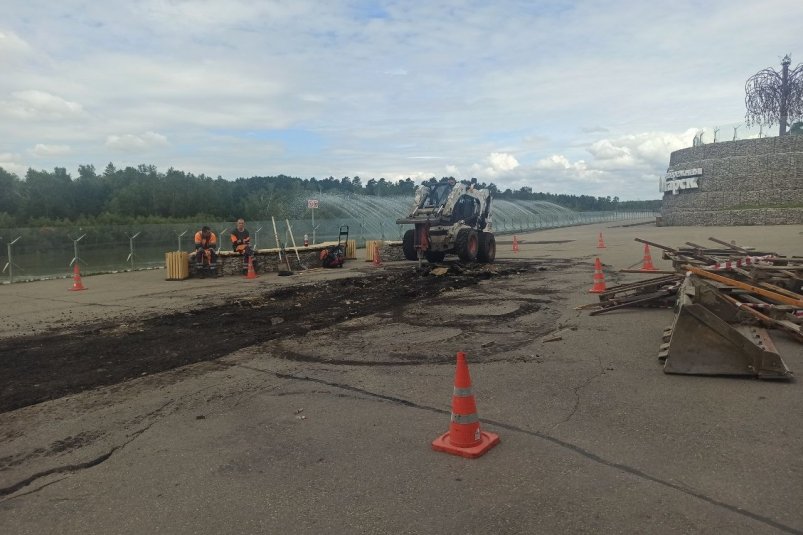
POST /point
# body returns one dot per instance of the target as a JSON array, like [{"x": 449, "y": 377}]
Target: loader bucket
[{"x": 701, "y": 343}]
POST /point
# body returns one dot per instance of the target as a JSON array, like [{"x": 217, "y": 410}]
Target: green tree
[
  {"x": 48, "y": 195},
  {"x": 10, "y": 196},
  {"x": 91, "y": 192}
]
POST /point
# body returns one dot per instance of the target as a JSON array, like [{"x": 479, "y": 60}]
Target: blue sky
[{"x": 567, "y": 97}]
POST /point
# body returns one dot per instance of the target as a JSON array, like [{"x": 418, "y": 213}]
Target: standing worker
[
  {"x": 205, "y": 255},
  {"x": 241, "y": 243}
]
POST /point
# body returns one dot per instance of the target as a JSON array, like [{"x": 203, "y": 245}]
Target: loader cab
[
  {"x": 438, "y": 194},
  {"x": 467, "y": 208}
]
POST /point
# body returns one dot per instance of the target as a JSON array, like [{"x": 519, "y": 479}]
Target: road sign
[{"x": 312, "y": 203}]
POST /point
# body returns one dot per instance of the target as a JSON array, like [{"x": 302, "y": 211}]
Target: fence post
[
  {"x": 131, "y": 248},
  {"x": 10, "y": 264},
  {"x": 179, "y": 239},
  {"x": 220, "y": 238},
  {"x": 256, "y": 237},
  {"x": 76, "y": 258}
]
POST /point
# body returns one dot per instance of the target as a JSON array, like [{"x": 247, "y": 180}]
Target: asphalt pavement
[{"x": 595, "y": 438}]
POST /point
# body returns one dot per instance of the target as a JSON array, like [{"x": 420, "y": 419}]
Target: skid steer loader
[{"x": 450, "y": 218}]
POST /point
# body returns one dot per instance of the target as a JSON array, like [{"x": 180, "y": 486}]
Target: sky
[{"x": 584, "y": 97}]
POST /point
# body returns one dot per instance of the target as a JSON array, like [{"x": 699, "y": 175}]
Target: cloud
[
  {"x": 11, "y": 163},
  {"x": 496, "y": 165},
  {"x": 45, "y": 151},
  {"x": 12, "y": 45},
  {"x": 593, "y": 129},
  {"x": 35, "y": 104},
  {"x": 501, "y": 162},
  {"x": 648, "y": 150},
  {"x": 558, "y": 162},
  {"x": 626, "y": 166},
  {"x": 135, "y": 143}
]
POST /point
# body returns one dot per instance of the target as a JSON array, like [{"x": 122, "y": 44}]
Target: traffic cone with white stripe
[
  {"x": 600, "y": 242},
  {"x": 251, "y": 274},
  {"x": 599, "y": 278},
  {"x": 377, "y": 260},
  {"x": 647, "y": 265},
  {"x": 464, "y": 437},
  {"x": 515, "y": 244},
  {"x": 77, "y": 285}
]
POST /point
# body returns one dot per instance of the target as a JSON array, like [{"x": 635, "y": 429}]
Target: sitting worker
[
  {"x": 241, "y": 243},
  {"x": 205, "y": 254}
]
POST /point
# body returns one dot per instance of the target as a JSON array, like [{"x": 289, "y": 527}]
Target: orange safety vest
[
  {"x": 240, "y": 240},
  {"x": 206, "y": 244}
]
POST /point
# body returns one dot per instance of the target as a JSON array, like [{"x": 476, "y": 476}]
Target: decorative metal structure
[{"x": 772, "y": 97}]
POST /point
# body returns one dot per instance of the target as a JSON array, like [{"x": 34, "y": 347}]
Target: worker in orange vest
[
  {"x": 241, "y": 243},
  {"x": 205, "y": 254}
]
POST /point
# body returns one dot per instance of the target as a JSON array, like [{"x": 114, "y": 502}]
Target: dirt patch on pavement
[{"x": 41, "y": 367}]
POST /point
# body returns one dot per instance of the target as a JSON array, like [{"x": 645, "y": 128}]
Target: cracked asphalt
[{"x": 328, "y": 429}]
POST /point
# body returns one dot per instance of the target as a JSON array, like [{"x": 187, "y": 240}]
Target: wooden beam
[{"x": 797, "y": 302}]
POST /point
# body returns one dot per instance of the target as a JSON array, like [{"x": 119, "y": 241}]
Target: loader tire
[
  {"x": 487, "y": 250},
  {"x": 408, "y": 245},
  {"x": 467, "y": 245}
]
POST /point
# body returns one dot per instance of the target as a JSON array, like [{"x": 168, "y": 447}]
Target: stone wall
[{"x": 744, "y": 182}]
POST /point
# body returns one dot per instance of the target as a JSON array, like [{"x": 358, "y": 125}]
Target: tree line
[{"x": 143, "y": 194}]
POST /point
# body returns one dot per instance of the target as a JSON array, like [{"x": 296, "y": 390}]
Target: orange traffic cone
[
  {"x": 599, "y": 278},
  {"x": 515, "y": 244},
  {"x": 647, "y": 260},
  {"x": 377, "y": 259},
  {"x": 600, "y": 242},
  {"x": 251, "y": 273},
  {"x": 464, "y": 437},
  {"x": 76, "y": 279}
]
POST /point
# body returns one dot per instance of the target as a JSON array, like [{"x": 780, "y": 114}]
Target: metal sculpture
[{"x": 772, "y": 97}]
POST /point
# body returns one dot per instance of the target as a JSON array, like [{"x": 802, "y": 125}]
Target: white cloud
[
  {"x": 11, "y": 163},
  {"x": 556, "y": 162},
  {"x": 134, "y": 143},
  {"x": 12, "y": 45},
  {"x": 501, "y": 162},
  {"x": 45, "y": 151},
  {"x": 645, "y": 150},
  {"x": 35, "y": 104}
]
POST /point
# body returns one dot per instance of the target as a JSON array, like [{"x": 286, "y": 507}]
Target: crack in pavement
[
  {"x": 72, "y": 468},
  {"x": 576, "y": 405},
  {"x": 577, "y": 394},
  {"x": 561, "y": 443}
]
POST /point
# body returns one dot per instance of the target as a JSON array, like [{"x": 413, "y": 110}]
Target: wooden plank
[
  {"x": 780, "y": 298},
  {"x": 654, "y": 272},
  {"x": 658, "y": 245},
  {"x": 730, "y": 245}
]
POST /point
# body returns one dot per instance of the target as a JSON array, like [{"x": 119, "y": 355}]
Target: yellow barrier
[
  {"x": 177, "y": 265},
  {"x": 351, "y": 250}
]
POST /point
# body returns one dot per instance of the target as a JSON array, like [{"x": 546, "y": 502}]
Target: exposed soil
[{"x": 41, "y": 367}]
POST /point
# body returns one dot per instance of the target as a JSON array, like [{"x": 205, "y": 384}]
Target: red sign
[{"x": 312, "y": 203}]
